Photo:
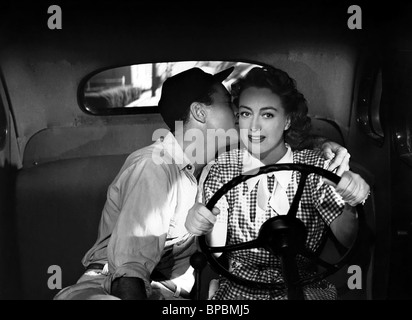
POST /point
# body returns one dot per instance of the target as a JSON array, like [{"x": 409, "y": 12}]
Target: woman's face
[{"x": 262, "y": 122}]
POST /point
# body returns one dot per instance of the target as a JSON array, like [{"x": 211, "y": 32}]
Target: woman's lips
[{"x": 256, "y": 139}]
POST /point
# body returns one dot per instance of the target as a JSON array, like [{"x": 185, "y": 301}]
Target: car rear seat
[{"x": 58, "y": 207}]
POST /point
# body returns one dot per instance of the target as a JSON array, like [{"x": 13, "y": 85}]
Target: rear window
[{"x": 136, "y": 88}]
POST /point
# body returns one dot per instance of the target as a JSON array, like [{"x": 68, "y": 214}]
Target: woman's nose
[{"x": 255, "y": 124}]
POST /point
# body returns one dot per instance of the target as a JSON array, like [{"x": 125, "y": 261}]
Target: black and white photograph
[{"x": 198, "y": 154}]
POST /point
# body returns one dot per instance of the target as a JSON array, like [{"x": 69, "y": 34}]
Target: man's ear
[{"x": 198, "y": 112}]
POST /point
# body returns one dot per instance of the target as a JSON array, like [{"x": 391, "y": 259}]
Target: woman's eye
[
  {"x": 268, "y": 115},
  {"x": 245, "y": 114}
]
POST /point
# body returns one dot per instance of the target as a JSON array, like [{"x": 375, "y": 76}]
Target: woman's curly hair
[{"x": 294, "y": 103}]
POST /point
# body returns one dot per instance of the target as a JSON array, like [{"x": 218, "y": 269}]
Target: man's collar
[{"x": 175, "y": 151}]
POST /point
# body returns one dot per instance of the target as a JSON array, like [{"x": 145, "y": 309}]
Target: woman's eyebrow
[
  {"x": 261, "y": 109},
  {"x": 269, "y": 108}
]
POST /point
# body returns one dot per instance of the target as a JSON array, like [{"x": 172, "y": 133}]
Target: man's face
[
  {"x": 221, "y": 121},
  {"x": 221, "y": 112}
]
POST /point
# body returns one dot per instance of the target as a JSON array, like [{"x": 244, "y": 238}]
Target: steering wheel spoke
[
  {"x": 236, "y": 247},
  {"x": 296, "y": 199}
]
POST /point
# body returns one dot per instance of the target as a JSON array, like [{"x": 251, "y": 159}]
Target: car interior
[{"x": 79, "y": 93}]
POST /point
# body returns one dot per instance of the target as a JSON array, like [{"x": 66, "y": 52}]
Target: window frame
[{"x": 134, "y": 110}]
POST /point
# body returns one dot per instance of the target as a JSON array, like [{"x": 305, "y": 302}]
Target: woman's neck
[{"x": 274, "y": 155}]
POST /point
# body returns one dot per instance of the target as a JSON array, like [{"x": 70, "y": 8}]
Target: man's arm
[
  {"x": 339, "y": 155},
  {"x": 200, "y": 220},
  {"x": 330, "y": 150},
  {"x": 139, "y": 236}
]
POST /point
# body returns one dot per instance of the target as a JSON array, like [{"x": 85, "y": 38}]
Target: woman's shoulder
[
  {"x": 310, "y": 157},
  {"x": 229, "y": 162},
  {"x": 230, "y": 158}
]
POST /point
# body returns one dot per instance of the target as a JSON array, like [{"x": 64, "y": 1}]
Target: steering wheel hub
[{"x": 282, "y": 234}]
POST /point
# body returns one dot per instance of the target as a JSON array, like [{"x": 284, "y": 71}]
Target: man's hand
[
  {"x": 129, "y": 288},
  {"x": 201, "y": 220},
  {"x": 339, "y": 155},
  {"x": 353, "y": 189}
]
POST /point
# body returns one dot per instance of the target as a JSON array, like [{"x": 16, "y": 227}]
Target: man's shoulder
[
  {"x": 143, "y": 154},
  {"x": 150, "y": 157}
]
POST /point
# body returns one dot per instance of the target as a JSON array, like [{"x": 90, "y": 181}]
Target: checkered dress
[{"x": 319, "y": 206}]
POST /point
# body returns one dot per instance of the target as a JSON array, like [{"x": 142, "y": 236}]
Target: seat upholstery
[{"x": 58, "y": 207}]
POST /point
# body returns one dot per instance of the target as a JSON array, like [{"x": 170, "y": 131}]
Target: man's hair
[
  {"x": 184, "y": 88},
  {"x": 294, "y": 103}
]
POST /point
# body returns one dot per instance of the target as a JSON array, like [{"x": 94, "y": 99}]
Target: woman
[{"x": 272, "y": 117}]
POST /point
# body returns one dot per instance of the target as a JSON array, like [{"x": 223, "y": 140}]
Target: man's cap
[{"x": 182, "y": 89}]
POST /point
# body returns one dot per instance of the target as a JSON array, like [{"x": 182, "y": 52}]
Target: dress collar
[{"x": 251, "y": 164}]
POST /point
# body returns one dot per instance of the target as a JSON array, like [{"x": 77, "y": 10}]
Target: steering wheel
[{"x": 283, "y": 235}]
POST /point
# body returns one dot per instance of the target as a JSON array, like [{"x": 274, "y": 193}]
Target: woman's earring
[{"x": 287, "y": 126}]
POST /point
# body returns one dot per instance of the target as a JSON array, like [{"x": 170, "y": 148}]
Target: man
[{"x": 144, "y": 246}]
